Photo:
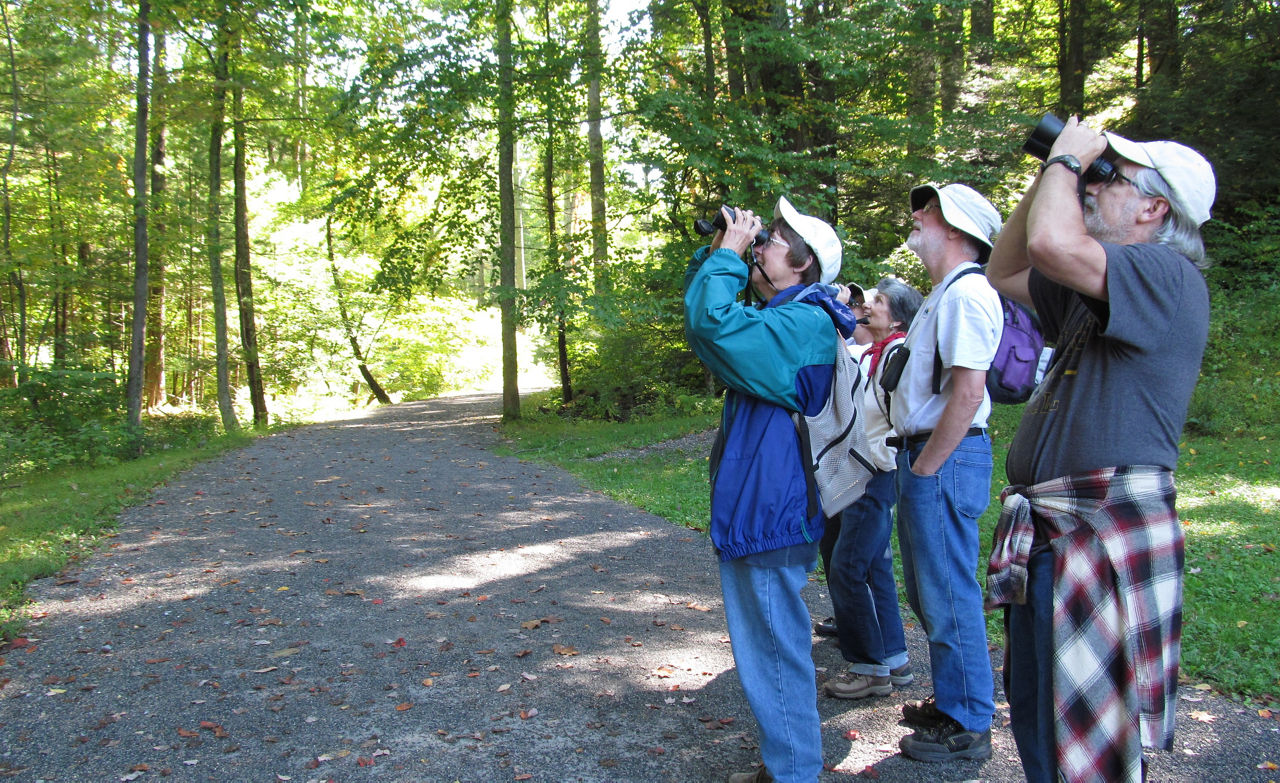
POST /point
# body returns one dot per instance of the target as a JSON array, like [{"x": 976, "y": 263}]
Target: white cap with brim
[
  {"x": 965, "y": 209},
  {"x": 817, "y": 234},
  {"x": 1189, "y": 175}
]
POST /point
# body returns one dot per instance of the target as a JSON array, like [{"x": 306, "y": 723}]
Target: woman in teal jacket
[{"x": 774, "y": 359}]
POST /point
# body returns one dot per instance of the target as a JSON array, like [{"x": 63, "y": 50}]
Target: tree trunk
[
  {"x": 153, "y": 365},
  {"x": 1071, "y": 65},
  {"x": 1164, "y": 54},
  {"x": 220, "y": 77},
  {"x": 735, "y": 62},
  {"x": 982, "y": 31},
  {"x": 8, "y": 377},
  {"x": 244, "y": 270},
  {"x": 348, "y": 326},
  {"x": 703, "y": 9},
  {"x": 138, "y": 322},
  {"x": 595, "y": 152},
  {"x": 951, "y": 69},
  {"x": 923, "y": 84},
  {"x": 507, "y": 209}
]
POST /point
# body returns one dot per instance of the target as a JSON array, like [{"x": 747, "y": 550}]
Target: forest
[{"x": 216, "y": 212}]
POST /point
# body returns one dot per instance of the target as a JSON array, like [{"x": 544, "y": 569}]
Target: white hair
[{"x": 1178, "y": 231}]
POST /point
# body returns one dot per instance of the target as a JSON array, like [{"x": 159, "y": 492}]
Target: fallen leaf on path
[
  {"x": 1202, "y": 716},
  {"x": 402, "y": 706},
  {"x": 564, "y": 649}
]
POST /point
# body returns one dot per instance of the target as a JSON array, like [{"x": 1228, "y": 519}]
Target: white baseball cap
[
  {"x": 817, "y": 234},
  {"x": 1189, "y": 175},
  {"x": 965, "y": 209}
]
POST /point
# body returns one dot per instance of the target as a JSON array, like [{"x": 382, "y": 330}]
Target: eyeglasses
[
  {"x": 931, "y": 206},
  {"x": 1110, "y": 176},
  {"x": 766, "y": 238}
]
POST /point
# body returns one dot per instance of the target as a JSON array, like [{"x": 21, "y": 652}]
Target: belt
[{"x": 899, "y": 442}]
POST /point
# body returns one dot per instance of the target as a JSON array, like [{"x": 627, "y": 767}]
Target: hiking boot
[
  {"x": 761, "y": 775},
  {"x": 858, "y": 686},
  {"x": 902, "y": 675},
  {"x": 825, "y": 628},
  {"x": 923, "y": 712},
  {"x": 946, "y": 741}
]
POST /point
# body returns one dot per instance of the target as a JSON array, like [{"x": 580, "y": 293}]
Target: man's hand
[
  {"x": 967, "y": 389},
  {"x": 1080, "y": 141}
]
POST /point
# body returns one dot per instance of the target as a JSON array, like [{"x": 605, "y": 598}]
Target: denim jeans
[
  {"x": 1028, "y": 672},
  {"x": 938, "y": 536},
  {"x": 769, "y": 627},
  {"x": 868, "y": 621}
]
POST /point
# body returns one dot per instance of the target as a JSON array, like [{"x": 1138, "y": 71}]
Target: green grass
[
  {"x": 1229, "y": 499},
  {"x": 671, "y": 483},
  {"x": 49, "y": 519}
]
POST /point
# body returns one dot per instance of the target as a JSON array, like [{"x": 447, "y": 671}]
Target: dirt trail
[{"x": 385, "y": 599}]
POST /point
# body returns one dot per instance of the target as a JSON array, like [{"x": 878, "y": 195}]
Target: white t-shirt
[{"x": 963, "y": 322}]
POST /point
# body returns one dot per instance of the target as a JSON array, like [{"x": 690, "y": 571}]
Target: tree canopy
[{"x": 547, "y": 159}]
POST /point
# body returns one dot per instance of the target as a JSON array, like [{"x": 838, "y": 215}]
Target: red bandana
[{"x": 877, "y": 349}]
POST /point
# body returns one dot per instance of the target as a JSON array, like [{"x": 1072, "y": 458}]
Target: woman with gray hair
[{"x": 867, "y": 618}]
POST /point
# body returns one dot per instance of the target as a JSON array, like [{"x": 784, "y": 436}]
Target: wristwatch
[{"x": 1070, "y": 161}]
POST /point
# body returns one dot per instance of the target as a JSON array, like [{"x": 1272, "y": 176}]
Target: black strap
[{"x": 937, "y": 351}]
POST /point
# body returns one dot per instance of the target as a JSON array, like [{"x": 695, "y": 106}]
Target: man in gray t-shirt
[
  {"x": 1107, "y": 254},
  {"x": 1116, "y": 392}
]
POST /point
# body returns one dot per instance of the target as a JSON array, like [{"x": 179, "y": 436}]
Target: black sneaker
[
  {"x": 825, "y": 628},
  {"x": 946, "y": 741},
  {"x": 923, "y": 712}
]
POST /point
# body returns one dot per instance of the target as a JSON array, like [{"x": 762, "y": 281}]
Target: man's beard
[
  {"x": 920, "y": 245},
  {"x": 1098, "y": 228}
]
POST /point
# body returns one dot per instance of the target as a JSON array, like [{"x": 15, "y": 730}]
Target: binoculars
[
  {"x": 708, "y": 227},
  {"x": 1040, "y": 142}
]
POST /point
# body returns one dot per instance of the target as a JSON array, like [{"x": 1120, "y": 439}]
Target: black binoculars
[
  {"x": 1040, "y": 142},
  {"x": 708, "y": 227}
]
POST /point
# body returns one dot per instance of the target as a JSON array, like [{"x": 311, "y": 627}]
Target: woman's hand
[{"x": 740, "y": 230}]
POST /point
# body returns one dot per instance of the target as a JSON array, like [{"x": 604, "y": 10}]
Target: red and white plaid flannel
[{"x": 1117, "y": 610}]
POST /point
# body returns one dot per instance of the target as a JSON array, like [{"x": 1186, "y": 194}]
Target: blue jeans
[
  {"x": 938, "y": 536},
  {"x": 868, "y": 621},
  {"x": 1028, "y": 672},
  {"x": 769, "y": 627}
]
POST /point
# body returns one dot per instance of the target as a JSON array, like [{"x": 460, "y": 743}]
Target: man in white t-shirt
[{"x": 939, "y": 414}]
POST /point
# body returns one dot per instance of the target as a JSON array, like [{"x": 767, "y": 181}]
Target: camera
[
  {"x": 708, "y": 227},
  {"x": 1040, "y": 142}
]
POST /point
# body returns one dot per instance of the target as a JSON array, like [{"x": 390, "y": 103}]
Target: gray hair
[
  {"x": 903, "y": 300},
  {"x": 1178, "y": 231}
]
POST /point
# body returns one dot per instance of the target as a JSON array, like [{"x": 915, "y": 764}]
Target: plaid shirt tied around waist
[{"x": 1117, "y": 609}]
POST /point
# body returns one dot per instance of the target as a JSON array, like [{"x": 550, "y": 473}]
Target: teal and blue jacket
[{"x": 774, "y": 360}]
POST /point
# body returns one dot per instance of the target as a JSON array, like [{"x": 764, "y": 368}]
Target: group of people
[{"x": 1087, "y": 557}]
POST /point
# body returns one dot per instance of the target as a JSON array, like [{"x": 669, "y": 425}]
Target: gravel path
[{"x": 385, "y": 599}]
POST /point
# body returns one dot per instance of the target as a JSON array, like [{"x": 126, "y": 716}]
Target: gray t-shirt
[{"x": 1117, "y": 390}]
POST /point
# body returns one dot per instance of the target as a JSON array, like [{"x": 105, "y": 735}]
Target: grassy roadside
[
  {"x": 1229, "y": 499},
  {"x": 49, "y": 519}
]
